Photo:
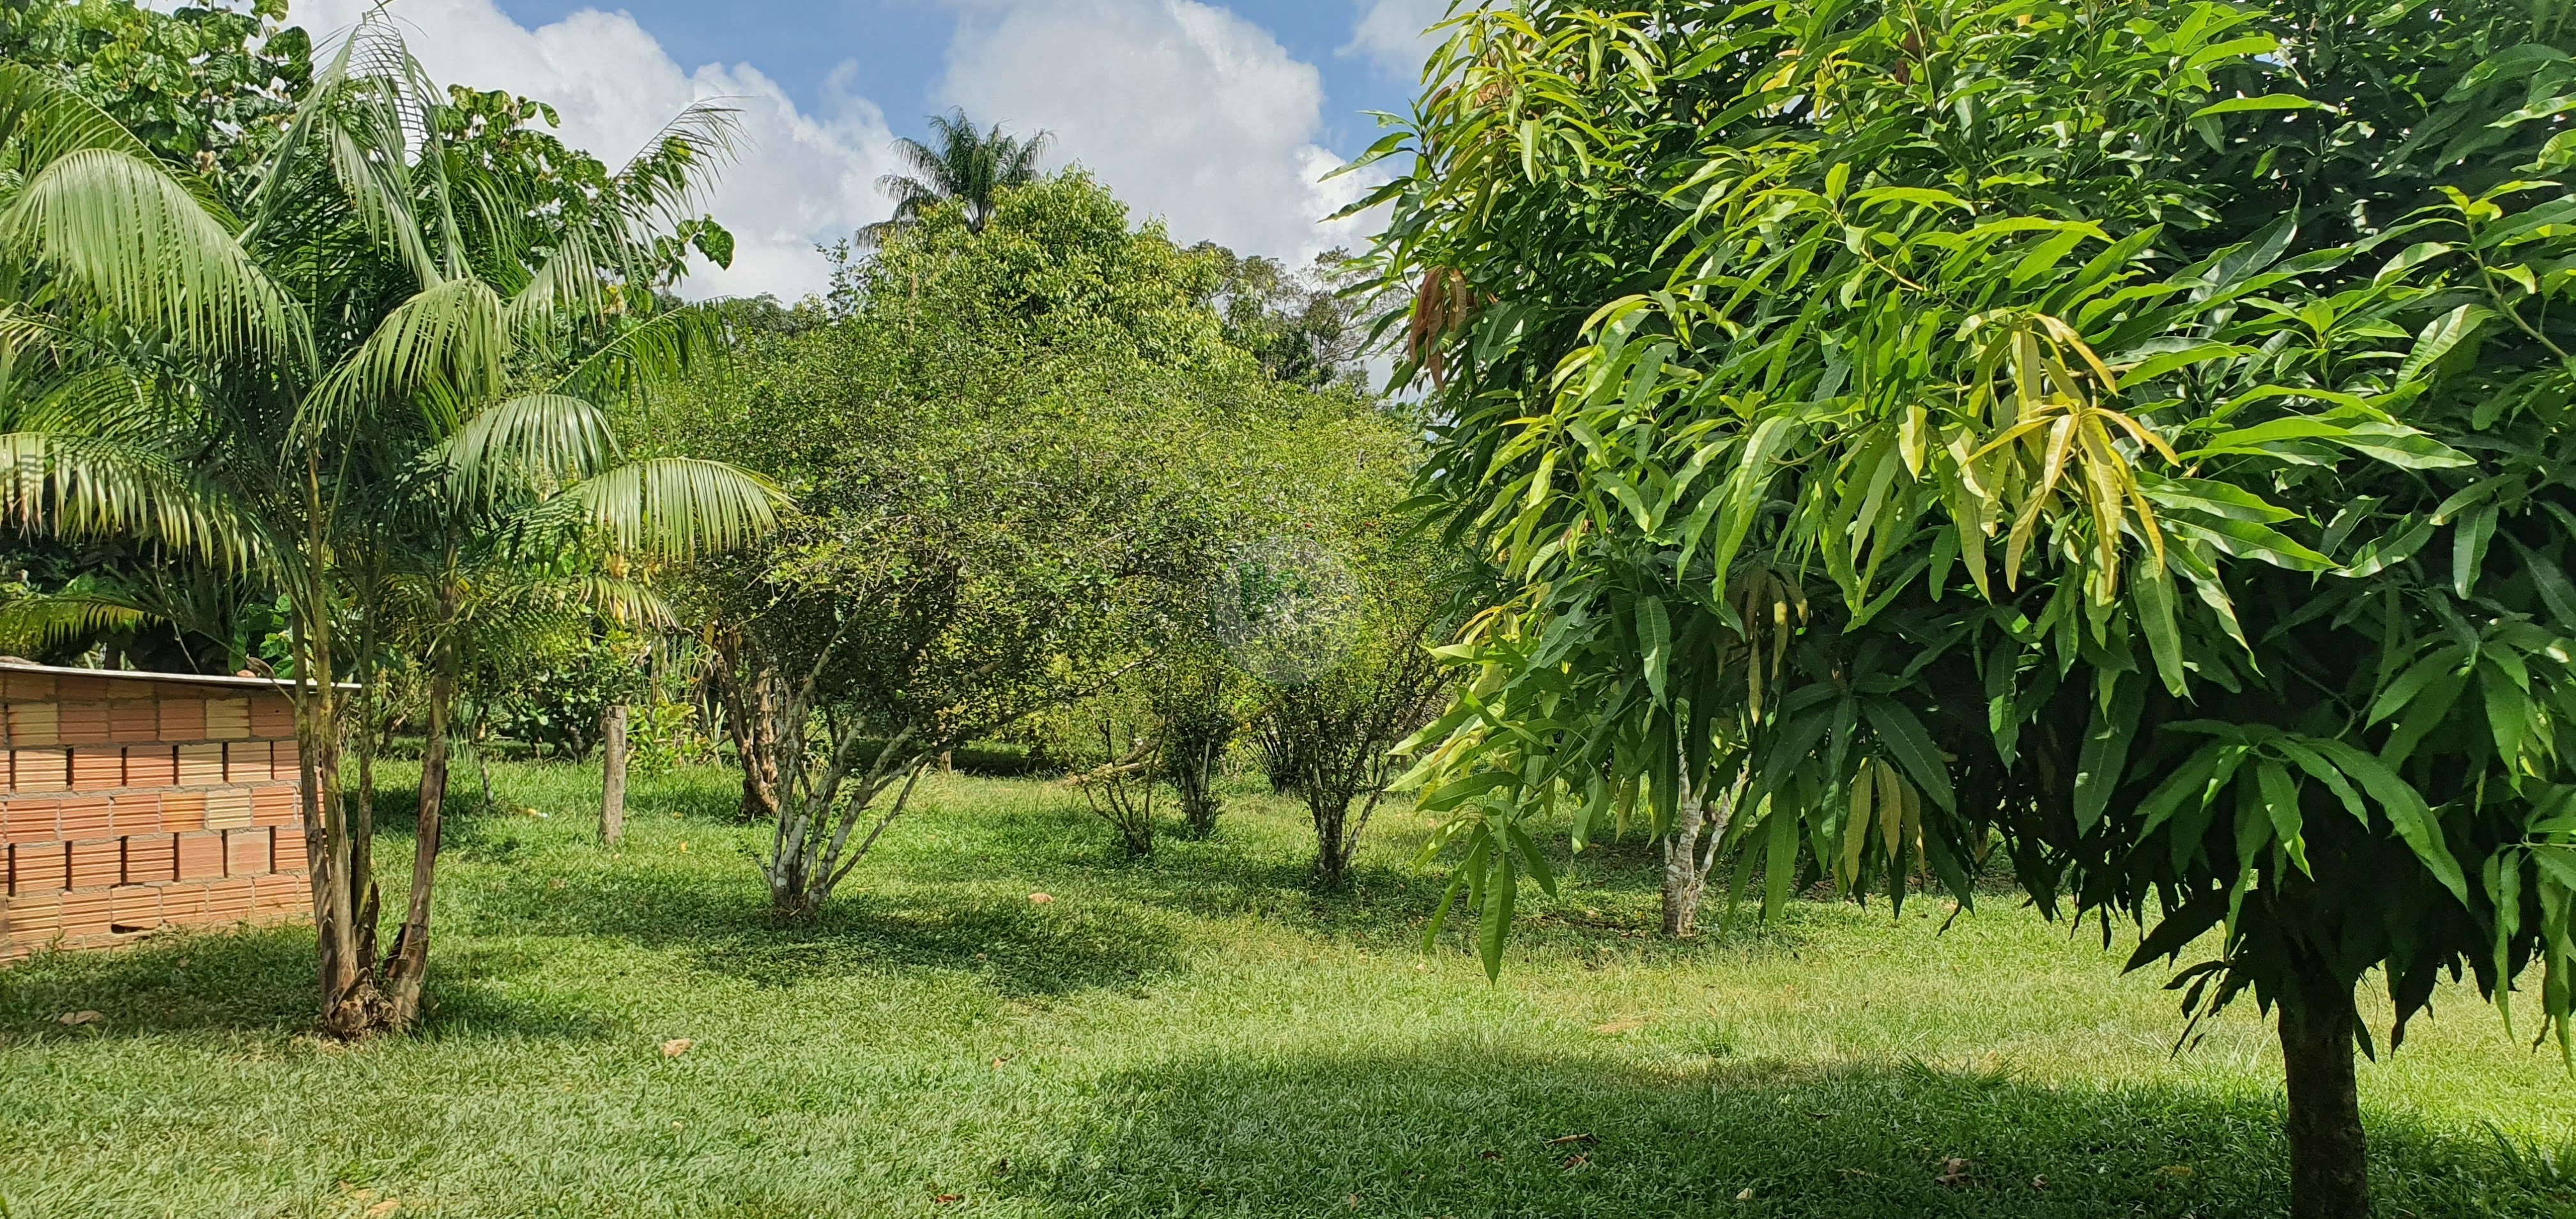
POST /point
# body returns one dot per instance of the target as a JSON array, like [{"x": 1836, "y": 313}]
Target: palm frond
[
  {"x": 650, "y": 354},
  {"x": 667, "y": 179},
  {"x": 32, "y": 626},
  {"x": 132, "y": 237},
  {"x": 451, "y": 335},
  {"x": 555, "y": 437},
  {"x": 678, "y": 507},
  {"x": 82, "y": 488}
]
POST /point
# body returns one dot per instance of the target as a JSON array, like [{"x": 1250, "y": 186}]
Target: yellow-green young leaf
[
  {"x": 2267, "y": 102},
  {"x": 2438, "y": 338},
  {"x": 1891, "y": 811},
  {"x": 1856, "y": 825}
]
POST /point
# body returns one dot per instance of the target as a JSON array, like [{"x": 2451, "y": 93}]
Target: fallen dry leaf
[
  {"x": 1354, "y": 1200},
  {"x": 1575, "y": 1162},
  {"x": 1745, "y": 1194},
  {"x": 2175, "y": 1171},
  {"x": 77, "y": 1019},
  {"x": 676, "y": 1047},
  {"x": 2039, "y": 1182},
  {"x": 997, "y": 1063},
  {"x": 1954, "y": 1171},
  {"x": 945, "y": 1199},
  {"x": 1615, "y": 1027},
  {"x": 384, "y": 1208},
  {"x": 1563, "y": 1139},
  {"x": 1039, "y": 899},
  {"x": 1495, "y": 1156}
]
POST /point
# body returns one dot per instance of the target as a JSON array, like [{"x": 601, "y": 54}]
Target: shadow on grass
[
  {"x": 248, "y": 980},
  {"x": 1011, "y": 945},
  {"x": 1447, "y": 1131}
]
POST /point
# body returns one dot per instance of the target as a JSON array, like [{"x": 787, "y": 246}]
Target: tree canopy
[{"x": 2124, "y": 436}]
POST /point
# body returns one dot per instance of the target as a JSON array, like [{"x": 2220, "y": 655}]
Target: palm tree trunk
[
  {"x": 2329, "y": 1165},
  {"x": 410, "y": 965}
]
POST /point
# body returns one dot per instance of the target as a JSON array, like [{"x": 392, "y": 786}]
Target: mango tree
[{"x": 2126, "y": 438}]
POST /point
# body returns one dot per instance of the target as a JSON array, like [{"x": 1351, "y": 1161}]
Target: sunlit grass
[{"x": 1196, "y": 1034}]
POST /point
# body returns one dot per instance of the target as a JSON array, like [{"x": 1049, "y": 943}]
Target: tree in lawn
[
  {"x": 359, "y": 390},
  {"x": 1015, "y": 460},
  {"x": 1342, "y": 725},
  {"x": 2131, "y": 437}
]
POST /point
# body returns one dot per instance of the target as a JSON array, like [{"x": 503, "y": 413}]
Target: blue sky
[
  {"x": 894, "y": 51},
  {"x": 1220, "y": 118}
]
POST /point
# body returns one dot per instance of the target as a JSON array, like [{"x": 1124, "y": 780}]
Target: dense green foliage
[
  {"x": 2133, "y": 435},
  {"x": 1022, "y": 449}
]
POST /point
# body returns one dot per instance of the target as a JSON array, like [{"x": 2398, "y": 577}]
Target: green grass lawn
[{"x": 1193, "y": 1035}]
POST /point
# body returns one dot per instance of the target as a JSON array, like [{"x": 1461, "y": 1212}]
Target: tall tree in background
[
  {"x": 961, "y": 165},
  {"x": 2134, "y": 437},
  {"x": 360, "y": 391}
]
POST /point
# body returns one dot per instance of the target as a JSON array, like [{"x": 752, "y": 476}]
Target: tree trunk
[
  {"x": 612, "y": 776},
  {"x": 410, "y": 965},
  {"x": 1684, "y": 877},
  {"x": 2329, "y": 1170},
  {"x": 1690, "y": 851}
]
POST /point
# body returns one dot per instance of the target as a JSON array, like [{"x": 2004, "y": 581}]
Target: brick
[
  {"x": 35, "y": 686},
  {"x": 85, "y": 915},
  {"x": 229, "y": 901},
  {"x": 201, "y": 856},
  {"x": 200, "y": 765},
  {"x": 83, "y": 723},
  {"x": 228, "y": 808},
  {"x": 151, "y": 766},
  {"x": 246, "y": 762},
  {"x": 183, "y": 811},
  {"x": 83, "y": 817},
  {"x": 33, "y": 920},
  {"x": 131, "y": 812},
  {"x": 272, "y": 716},
  {"x": 40, "y": 770},
  {"x": 38, "y": 867},
  {"x": 183, "y": 903},
  {"x": 246, "y": 852},
  {"x": 227, "y": 719},
  {"x": 134, "y": 720},
  {"x": 133, "y": 908},
  {"x": 34, "y": 724},
  {"x": 283, "y": 893},
  {"x": 125, "y": 689},
  {"x": 151, "y": 859},
  {"x": 183, "y": 719},
  {"x": 286, "y": 761},
  {"x": 98, "y": 863},
  {"x": 291, "y": 855},
  {"x": 30, "y": 819},
  {"x": 275, "y": 805},
  {"x": 98, "y": 770}
]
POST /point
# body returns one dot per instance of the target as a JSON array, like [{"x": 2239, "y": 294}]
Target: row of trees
[
  {"x": 318, "y": 368},
  {"x": 2126, "y": 439}
]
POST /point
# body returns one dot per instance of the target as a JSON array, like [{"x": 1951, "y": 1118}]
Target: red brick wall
[{"x": 128, "y": 805}]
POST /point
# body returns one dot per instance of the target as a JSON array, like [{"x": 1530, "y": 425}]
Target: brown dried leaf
[
  {"x": 77, "y": 1019},
  {"x": 676, "y": 1047}
]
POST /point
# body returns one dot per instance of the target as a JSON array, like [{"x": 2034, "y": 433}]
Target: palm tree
[
  {"x": 967, "y": 167},
  {"x": 334, "y": 394}
]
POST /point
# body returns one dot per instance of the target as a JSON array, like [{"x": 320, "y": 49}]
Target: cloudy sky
[{"x": 1218, "y": 117}]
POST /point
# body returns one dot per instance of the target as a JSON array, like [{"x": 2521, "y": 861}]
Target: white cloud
[
  {"x": 1390, "y": 35},
  {"x": 800, "y": 178},
  {"x": 1185, "y": 110}
]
